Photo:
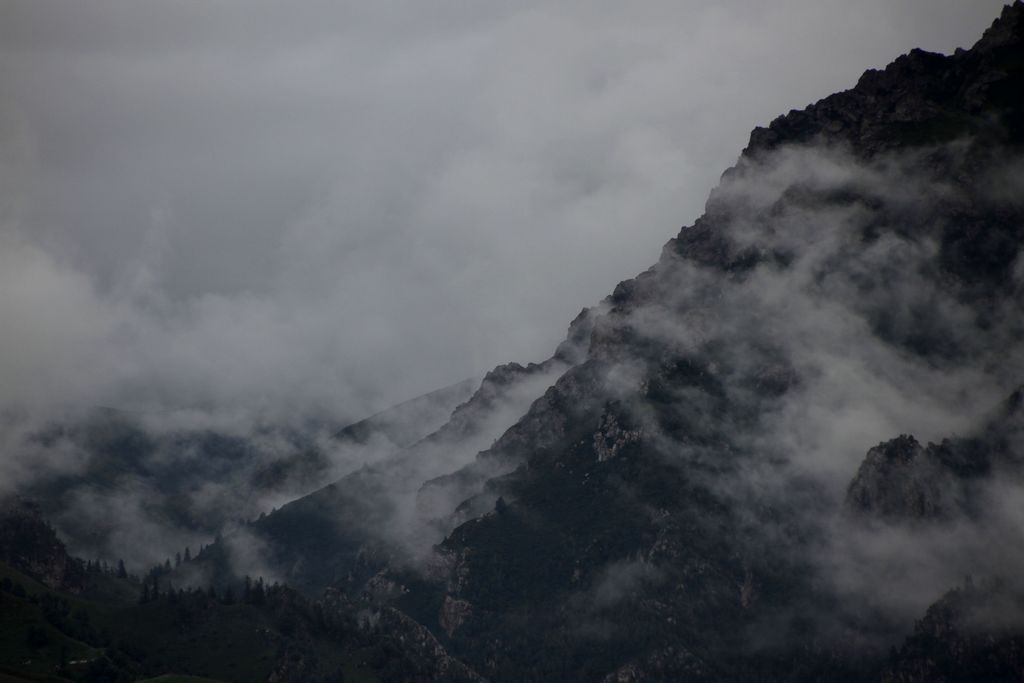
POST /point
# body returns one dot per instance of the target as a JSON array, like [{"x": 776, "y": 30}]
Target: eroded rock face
[
  {"x": 454, "y": 613},
  {"x": 30, "y": 545},
  {"x": 903, "y": 480},
  {"x": 611, "y": 437}
]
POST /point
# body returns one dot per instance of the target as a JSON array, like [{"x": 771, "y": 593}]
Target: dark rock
[
  {"x": 973, "y": 633},
  {"x": 902, "y": 480},
  {"x": 30, "y": 545}
]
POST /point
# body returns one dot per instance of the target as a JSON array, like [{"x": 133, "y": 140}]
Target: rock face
[
  {"x": 901, "y": 479},
  {"x": 667, "y": 503},
  {"x": 972, "y": 634},
  {"x": 921, "y": 98},
  {"x": 30, "y": 545}
]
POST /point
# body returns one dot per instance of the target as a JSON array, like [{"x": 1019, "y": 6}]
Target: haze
[{"x": 325, "y": 208}]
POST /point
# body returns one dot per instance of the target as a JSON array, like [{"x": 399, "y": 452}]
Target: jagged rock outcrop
[
  {"x": 903, "y": 480},
  {"x": 921, "y": 98}
]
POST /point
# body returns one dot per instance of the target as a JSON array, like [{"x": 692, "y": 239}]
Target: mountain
[
  {"x": 675, "y": 504},
  {"x": 114, "y": 477},
  {"x": 348, "y": 530},
  {"x": 790, "y": 450},
  {"x": 409, "y": 421}
]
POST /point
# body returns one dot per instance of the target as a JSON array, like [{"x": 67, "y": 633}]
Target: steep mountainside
[
  {"x": 408, "y": 422},
  {"x": 347, "y": 531},
  {"x": 673, "y": 505}
]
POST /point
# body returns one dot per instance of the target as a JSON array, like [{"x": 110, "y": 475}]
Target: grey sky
[{"x": 326, "y": 205}]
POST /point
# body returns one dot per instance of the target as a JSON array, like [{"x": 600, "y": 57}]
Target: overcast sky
[{"x": 333, "y": 206}]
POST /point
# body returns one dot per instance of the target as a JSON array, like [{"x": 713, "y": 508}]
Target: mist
[
  {"x": 842, "y": 336},
  {"x": 279, "y": 211}
]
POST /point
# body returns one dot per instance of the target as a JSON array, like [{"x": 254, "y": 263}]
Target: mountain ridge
[{"x": 606, "y": 425}]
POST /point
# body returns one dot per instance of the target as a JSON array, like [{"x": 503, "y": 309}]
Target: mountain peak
[
  {"x": 922, "y": 98},
  {"x": 1006, "y": 30}
]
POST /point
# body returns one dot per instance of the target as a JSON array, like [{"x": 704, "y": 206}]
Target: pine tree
[
  {"x": 188, "y": 554},
  {"x": 122, "y": 573},
  {"x": 258, "y": 595}
]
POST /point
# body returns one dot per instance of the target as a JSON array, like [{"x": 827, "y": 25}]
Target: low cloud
[
  {"x": 843, "y": 335},
  {"x": 279, "y": 210}
]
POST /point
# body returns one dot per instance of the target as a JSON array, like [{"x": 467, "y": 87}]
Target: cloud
[{"x": 331, "y": 207}]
